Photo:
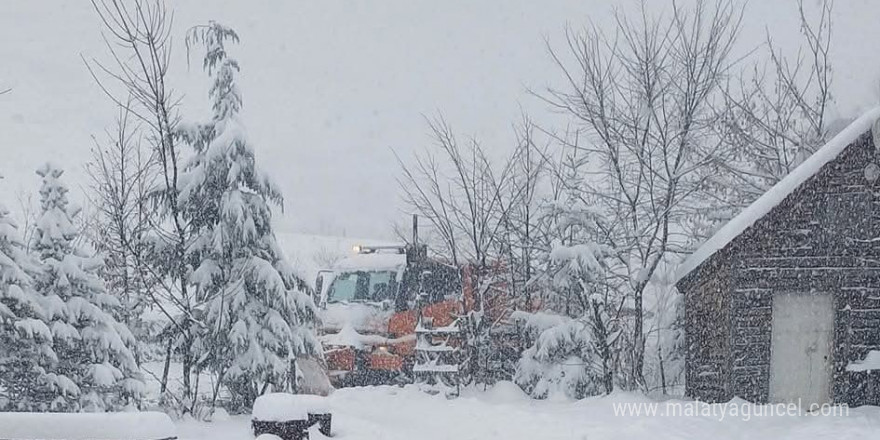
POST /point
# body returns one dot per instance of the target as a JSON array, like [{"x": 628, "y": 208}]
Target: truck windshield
[{"x": 361, "y": 286}]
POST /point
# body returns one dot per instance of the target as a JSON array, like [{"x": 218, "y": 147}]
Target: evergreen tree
[
  {"x": 258, "y": 311},
  {"x": 94, "y": 368},
  {"x": 575, "y": 351},
  {"x": 25, "y": 339}
]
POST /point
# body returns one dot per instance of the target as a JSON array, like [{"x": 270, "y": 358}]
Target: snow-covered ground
[
  {"x": 153, "y": 372},
  {"x": 504, "y": 412}
]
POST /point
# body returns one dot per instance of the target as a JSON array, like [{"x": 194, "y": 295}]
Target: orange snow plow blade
[
  {"x": 340, "y": 359},
  {"x": 385, "y": 361},
  {"x": 443, "y": 313}
]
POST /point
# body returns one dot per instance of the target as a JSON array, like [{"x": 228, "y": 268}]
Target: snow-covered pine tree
[
  {"x": 25, "y": 339},
  {"x": 94, "y": 368},
  {"x": 258, "y": 311}
]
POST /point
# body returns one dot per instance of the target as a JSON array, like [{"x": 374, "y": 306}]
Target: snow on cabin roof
[{"x": 776, "y": 194}]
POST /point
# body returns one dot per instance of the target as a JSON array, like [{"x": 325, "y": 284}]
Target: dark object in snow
[
  {"x": 289, "y": 416},
  {"x": 323, "y": 421},
  {"x": 786, "y": 295},
  {"x": 293, "y": 429}
]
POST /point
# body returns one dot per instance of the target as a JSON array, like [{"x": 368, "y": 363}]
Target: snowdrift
[{"x": 87, "y": 426}]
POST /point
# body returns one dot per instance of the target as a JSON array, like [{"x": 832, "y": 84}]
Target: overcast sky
[{"x": 332, "y": 88}]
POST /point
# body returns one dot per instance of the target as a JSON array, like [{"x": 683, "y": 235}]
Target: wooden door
[{"x": 800, "y": 349}]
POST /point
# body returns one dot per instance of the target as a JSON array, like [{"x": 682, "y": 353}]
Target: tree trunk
[
  {"x": 638, "y": 344},
  {"x": 662, "y": 371},
  {"x": 187, "y": 369},
  {"x": 164, "y": 384}
]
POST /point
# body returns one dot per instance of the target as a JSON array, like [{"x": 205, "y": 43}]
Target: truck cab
[{"x": 369, "y": 305}]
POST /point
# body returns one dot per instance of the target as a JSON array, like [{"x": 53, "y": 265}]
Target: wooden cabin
[{"x": 784, "y": 299}]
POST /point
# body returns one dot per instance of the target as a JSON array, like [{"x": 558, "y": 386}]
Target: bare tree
[
  {"x": 138, "y": 37},
  {"x": 643, "y": 97},
  {"x": 521, "y": 212},
  {"x": 123, "y": 173},
  {"x": 776, "y": 114},
  {"x": 462, "y": 194},
  {"x": 29, "y": 212}
]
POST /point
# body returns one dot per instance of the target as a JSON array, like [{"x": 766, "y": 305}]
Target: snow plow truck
[
  {"x": 370, "y": 307},
  {"x": 371, "y": 304}
]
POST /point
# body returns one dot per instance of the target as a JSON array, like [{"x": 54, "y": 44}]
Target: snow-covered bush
[
  {"x": 560, "y": 361},
  {"x": 575, "y": 340}
]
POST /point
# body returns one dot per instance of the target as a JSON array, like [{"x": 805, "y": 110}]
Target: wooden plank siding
[
  {"x": 707, "y": 365},
  {"x": 823, "y": 238}
]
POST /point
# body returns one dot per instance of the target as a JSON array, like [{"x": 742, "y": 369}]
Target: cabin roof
[{"x": 782, "y": 189}]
